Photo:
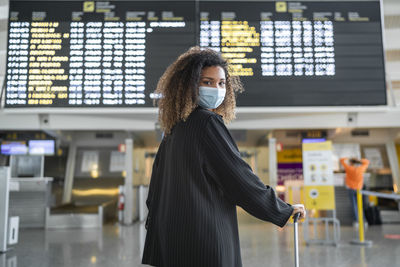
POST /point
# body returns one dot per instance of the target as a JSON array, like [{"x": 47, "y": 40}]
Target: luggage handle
[
  {"x": 296, "y": 217},
  {"x": 296, "y": 241}
]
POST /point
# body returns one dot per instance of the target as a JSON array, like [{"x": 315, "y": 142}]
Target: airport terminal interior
[{"x": 79, "y": 125}]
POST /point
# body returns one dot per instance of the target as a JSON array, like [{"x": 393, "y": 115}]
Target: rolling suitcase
[
  {"x": 296, "y": 241},
  {"x": 373, "y": 215}
]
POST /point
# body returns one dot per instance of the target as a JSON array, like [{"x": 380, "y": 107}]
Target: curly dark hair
[{"x": 178, "y": 87}]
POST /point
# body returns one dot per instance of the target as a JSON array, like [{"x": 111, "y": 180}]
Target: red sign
[{"x": 122, "y": 148}]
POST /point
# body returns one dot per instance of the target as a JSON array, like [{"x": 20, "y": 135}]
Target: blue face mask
[{"x": 210, "y": 97}]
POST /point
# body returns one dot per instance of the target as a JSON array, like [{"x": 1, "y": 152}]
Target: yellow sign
[
  {"x": 398, "y": 152},
  {"x": 320, "y": 197},
  {"x": 281, "y": 7},
  {"x": 88, "y": 6},
  {"x": 314, "y": 134},
  {"x": 293, "y": 155},
  {"x": 317, "y": 146}
]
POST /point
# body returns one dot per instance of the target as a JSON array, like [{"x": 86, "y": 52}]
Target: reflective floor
[{"x": 262, "y": 245}]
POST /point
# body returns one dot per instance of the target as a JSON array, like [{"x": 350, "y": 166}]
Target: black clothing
[{"x": 198, "y": 179}]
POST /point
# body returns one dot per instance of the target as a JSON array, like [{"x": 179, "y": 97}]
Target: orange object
[{"x": 354, "y": 174}]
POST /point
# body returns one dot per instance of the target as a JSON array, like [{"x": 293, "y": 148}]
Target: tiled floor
[{"x": 262, "y": 245}]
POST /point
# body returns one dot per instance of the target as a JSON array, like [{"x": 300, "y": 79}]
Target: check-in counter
[
  {"x": 140, "y": 210},
  {"x": 29, "y": 198}
]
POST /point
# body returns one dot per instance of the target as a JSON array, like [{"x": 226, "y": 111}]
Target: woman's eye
[
  {"x": 222, "y": 83},
  {"x": 207, "y": 82}
]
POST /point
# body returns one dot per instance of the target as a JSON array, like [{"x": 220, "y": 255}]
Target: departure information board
[
  {"x": 111, "y": 54},
  {"x": 300, "y": 53},
  {"x": 93, "y": 54}
]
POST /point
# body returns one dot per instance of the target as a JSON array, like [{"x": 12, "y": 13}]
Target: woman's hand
[{"x": 299, "y": 208}]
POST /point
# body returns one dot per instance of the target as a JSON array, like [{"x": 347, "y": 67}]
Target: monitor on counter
[
  {"x": 41, "y": 147},
  {"x": 95, "y": 54},
  {"x": 14, "y": 148},
  {"x": 313, "y": 140}
]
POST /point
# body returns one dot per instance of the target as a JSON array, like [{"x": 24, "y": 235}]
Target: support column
[
  {"x": 128, "y": 188},
  {"x": 69, "y": 173},
  {"x": 394, "y": 163},
  {"x": 273, "y": 165},
  {"x": 4, "y": 199}
]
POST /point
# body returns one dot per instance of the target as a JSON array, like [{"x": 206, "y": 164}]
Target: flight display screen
[
  {"x": 111, "y": 54},
  {"x": 93, "y": 54},
  {"x": 300, "y": 53}
]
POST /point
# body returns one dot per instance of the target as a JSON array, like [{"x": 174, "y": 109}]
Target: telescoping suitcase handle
[{"x": 296, "y": 241}]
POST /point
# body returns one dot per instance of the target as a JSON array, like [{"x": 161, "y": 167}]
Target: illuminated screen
[
  {"x": 13, "y": 148},
  {"x": 93, "y": 54},
  {"x": 41, "y": 147},
  {"x": 300, "y": 53},
  {"x": 313, "y": 140},
  {"x": 111, "y": 54}
]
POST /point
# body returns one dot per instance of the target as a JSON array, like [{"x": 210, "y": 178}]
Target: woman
[{"x": 198, "y": 175}]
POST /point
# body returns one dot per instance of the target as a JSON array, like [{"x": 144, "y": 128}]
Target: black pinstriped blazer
[{"x": 198, "y": 179}]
